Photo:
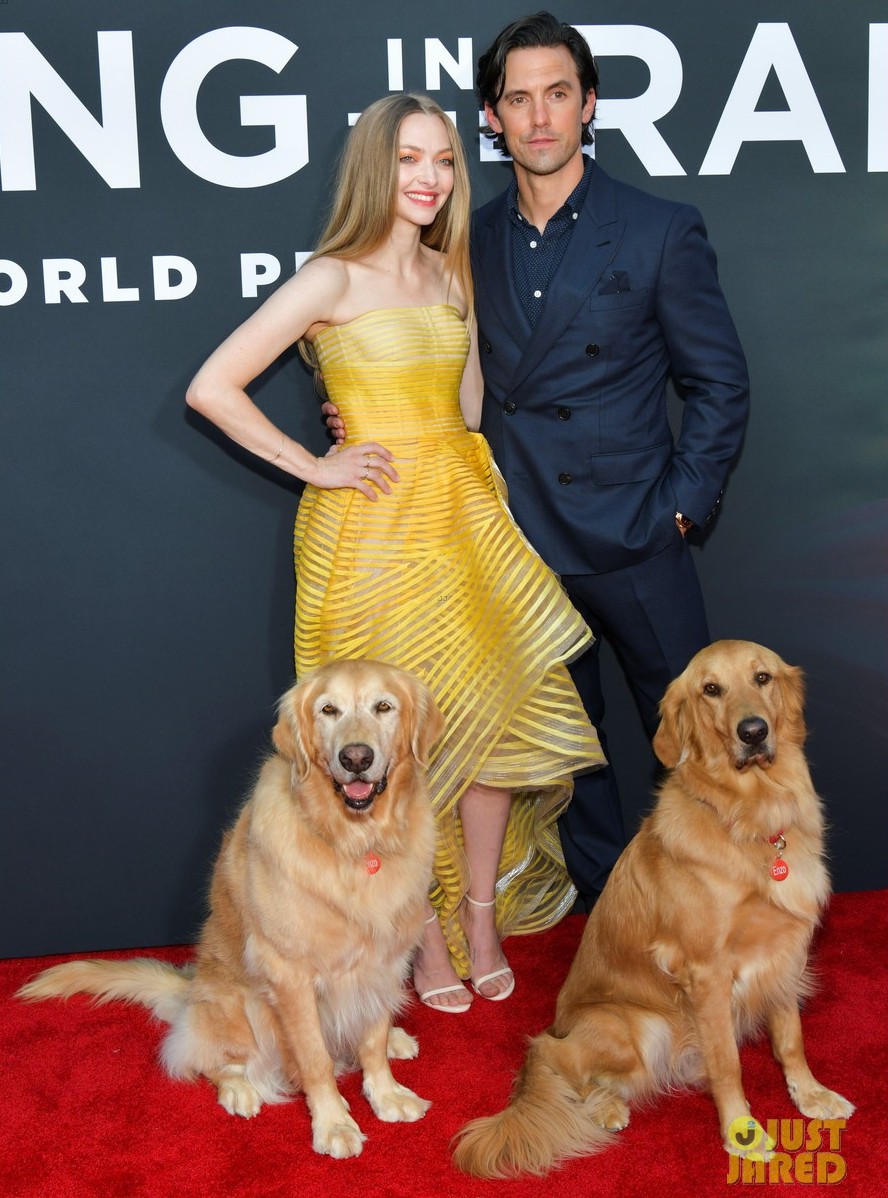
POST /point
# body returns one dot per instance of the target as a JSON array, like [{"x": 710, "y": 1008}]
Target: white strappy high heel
[
  {"x": 476, "y": 983},
  {"x": 452, "y": 1008}
]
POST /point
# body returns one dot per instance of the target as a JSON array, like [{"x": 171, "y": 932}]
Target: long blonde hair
[{"x": 365, "y": 195}]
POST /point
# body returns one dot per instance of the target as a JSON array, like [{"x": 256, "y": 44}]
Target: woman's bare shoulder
[
  {"x": 313, "y": 294},
  {"x": 327, "y": 275}
]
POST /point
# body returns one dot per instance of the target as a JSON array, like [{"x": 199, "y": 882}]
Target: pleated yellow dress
[{"x": 437, "y": 578}]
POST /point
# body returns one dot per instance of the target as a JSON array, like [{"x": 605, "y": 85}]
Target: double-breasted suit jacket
[{"x": 575, "y": 409}]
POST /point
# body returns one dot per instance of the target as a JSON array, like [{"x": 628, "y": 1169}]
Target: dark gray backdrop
[{"x": 147, "y": 576}]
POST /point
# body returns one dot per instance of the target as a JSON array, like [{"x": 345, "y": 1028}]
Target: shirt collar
[{"x": 569, "y": 208}]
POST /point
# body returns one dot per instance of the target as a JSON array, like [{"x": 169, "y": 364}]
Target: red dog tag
[
  {"x": 779, "y": 869},
  {"x": 372, "y": 862}
]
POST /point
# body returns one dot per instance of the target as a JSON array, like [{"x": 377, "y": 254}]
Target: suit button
[
  {"x": 487, "y": 347},
  {"x": 565, "y": 478},
  {"x": 592, "y": 350},
  {"x": 510, "y": 407},
  {"x": 564, "y": 413}
]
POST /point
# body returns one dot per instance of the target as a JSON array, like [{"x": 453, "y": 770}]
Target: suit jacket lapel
[{"x": 497, "y": 299}]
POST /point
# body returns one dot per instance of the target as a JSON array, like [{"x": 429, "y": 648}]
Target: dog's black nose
[
  {"x": 752, "y": 731},
  {"x": 356, "y": 758}
]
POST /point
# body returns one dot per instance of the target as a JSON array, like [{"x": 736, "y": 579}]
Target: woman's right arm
[{"x": 218, "y": 390}]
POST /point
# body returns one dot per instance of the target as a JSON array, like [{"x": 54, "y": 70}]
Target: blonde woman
[{"x": 405, "y": 549}]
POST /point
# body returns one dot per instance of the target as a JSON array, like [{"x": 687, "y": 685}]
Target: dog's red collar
[{"x": 779, "y": 868}]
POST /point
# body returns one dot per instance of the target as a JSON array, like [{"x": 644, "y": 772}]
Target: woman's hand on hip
[{"x": 365, "y": 467}]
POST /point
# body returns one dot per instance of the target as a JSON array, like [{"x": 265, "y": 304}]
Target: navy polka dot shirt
[{"x": 535, "y": 255}]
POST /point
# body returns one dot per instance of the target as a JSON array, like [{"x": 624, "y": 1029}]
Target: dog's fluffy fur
[
  {"x": 693, "y": 944},
  {"x": 301, "y": 963}
]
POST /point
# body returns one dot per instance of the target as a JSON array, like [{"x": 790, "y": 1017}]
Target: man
[{"x": 590, "y": 295}]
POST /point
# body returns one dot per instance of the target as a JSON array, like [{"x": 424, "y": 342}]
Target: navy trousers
[{"x": 653, "y": 617}]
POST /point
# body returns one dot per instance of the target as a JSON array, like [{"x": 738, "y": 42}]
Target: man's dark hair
[{"x": 528, "y": 33}]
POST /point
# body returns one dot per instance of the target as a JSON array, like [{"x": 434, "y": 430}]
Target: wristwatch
[{"x": 683, "y": 522}]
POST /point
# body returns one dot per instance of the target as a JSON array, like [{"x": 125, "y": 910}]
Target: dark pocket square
[{"x": 617, "y": 281}]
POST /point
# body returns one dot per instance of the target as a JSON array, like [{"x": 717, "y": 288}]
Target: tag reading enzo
[{"x": 779, "y": 869}]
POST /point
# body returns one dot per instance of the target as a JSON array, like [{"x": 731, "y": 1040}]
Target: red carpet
[{"x": 86, "y": 1113}]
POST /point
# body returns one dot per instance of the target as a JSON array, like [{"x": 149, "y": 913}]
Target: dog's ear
[
  {"x": 288, "y": 734},
  {"x": 669, "y": 737},
  {"x": 427, "y": 724},
  {"x": 792, "y": 688}
]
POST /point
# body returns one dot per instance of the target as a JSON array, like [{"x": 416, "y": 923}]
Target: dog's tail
[
  {"x": 546, "y": 1122},
  {"x": 154, "y": 984}
]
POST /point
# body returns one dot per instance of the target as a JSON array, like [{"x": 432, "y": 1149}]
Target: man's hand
[{"x": 335, "y": 423}]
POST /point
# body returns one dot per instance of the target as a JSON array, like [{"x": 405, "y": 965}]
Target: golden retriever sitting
[
  {"x": 700, "y": 936},
  {"x": 317, "y": 901}
]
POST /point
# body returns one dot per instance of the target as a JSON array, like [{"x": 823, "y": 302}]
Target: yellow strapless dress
[{"x": 437, "y": 578}]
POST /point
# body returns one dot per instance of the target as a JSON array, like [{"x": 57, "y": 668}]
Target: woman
[{"x": 405, "y": 549}]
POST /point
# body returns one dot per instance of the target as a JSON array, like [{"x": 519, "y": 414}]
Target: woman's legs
[{"x": 484, "y": 814}]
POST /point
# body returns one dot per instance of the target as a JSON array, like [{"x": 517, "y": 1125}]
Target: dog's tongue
[{"x": 358, "y": 790}]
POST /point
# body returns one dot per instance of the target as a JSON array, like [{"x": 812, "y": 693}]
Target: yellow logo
[
  {"x": 805, "y": 1151},
  {"x": 748, "y": 1139}
]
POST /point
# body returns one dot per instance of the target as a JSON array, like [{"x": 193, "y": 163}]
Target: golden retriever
[
  {"x": 700, "y": 936},
  {"x": 316, "y": 903}
]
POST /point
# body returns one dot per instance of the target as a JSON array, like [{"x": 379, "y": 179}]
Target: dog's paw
[
  {"x": 340, "y": 1140},
  {"x": 612, "y": 1114},
  {"x": 238, "y": 1097},
  {"x": 816, "y": 1102},
  {"x": 401, "y": 1045},
  {"x": 747, "y": 1138},
  {"x": 396, "y": 1104}
]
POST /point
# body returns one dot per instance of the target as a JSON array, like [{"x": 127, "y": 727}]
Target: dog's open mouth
[{"x": 359, "y": 794}]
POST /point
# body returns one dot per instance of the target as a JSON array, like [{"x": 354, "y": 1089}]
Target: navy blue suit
[{"x": 575, "y": 411}]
